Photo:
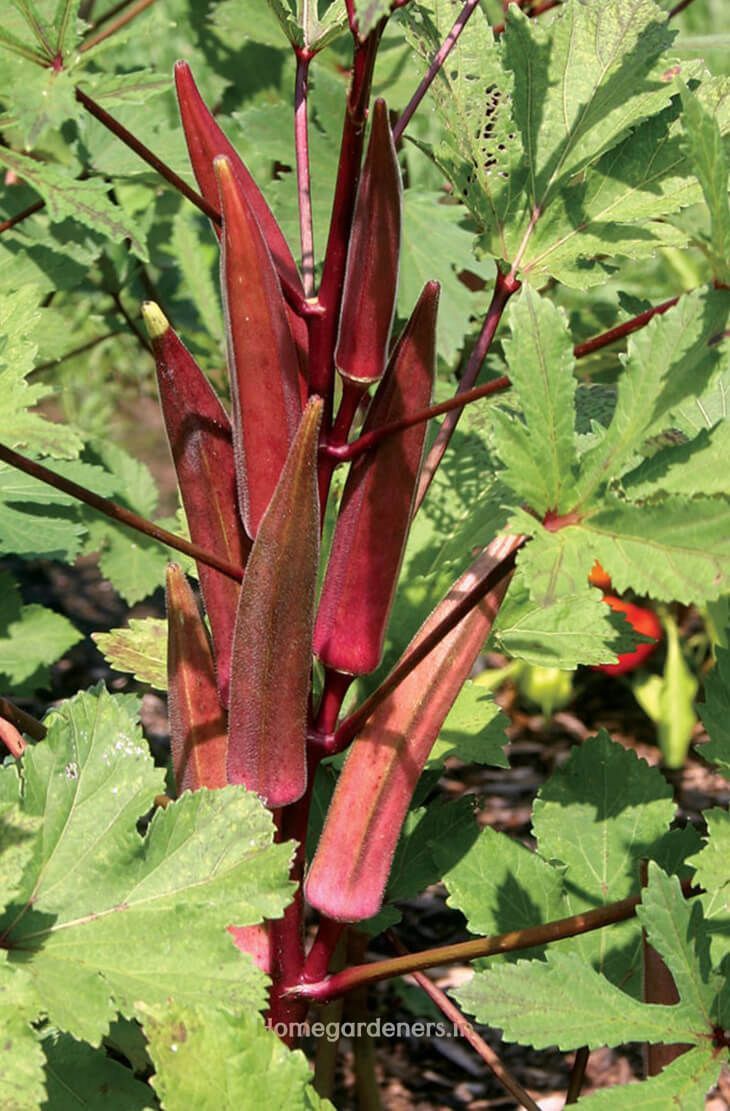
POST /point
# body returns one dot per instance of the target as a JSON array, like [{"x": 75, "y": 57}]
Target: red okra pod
[
  {"x": 373, "y": 521},
  {"x": 350, "y": 868},
  {"x": 371, "y": 275},
  {"x": 272, "y": 641},
  {"x": 206, "y": 141},
  {"x": 199, "y": 433},
  {"x": 197, "y": 719},
  {"x": 263, "y": 364}
]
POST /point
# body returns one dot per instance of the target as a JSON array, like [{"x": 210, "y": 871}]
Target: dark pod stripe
[
  {"x": 372, "y": 526},
  {"x": 263, "y": 364},
  {"x": 197, "y": 719},
  {"x": 350, "y": 869},
  {"x": 371, "y": 276},
  {"x": 199, "y": 433},
  {"x": 272, "y": 642}
]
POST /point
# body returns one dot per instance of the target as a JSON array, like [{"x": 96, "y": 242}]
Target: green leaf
[
  {"x": 20, "y": 316},
  {"x": 667, "y": 361},
  {"x": 715, "y": 712},
  {"x": 165, "y": 900},
  {"x": 439, "y": 247},
  {"x": 210, "y": 1060},
  {"x": 22, "y": 1083},
  {"x": 196, "y": 255},
  {"x": 705, "y": 409},
  {"x": 79, "y": 1076},
  {"x": 85, "y": 201},
  {"x": 24, "y": 529},
  {"x": 500, "y": 885},
  {"x": 698, "y": 467},
  {"x": 713, "y": 873},
  {"x": 474, "y": 730},
  {"x": 704, "y": 141},
  {"x": 598, "y": 816},
  {"x": 31, "y": 638},
  {"x": 18, "y": 845},
  {"x": 430, "y": 835},
  {"x": 674, "y": 929},
  {"x": 539, "y": 450},
  {"x": 682, "y": 1085},
  {"x": 584, "y": 1007},
  {"x": 139, "y": 649}
]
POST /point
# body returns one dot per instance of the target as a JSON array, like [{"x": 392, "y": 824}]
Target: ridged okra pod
[
  {"x": 375, "y": 513},
  {"x": 349, "y": 872},
  {"x": 371, "y": 275},
  {"x": 199, "y": 433},
  {"x": 272, "y": 641},
  {"x": 263, "y": 364},
  {"x": 197, "y": 719}
]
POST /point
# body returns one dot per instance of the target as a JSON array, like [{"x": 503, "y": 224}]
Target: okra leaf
[
  {"x": 369, "y": 13},
  {"x": 715, "y": 712},
  {"x": 140, "y": 649},
  {"x": 20, "y": 315},
  {"x": 705, "y": 146},
  {"x": 699, "y": 466},
  {"x": 538, "y": 447},
  {"x": 210, "y": 1059},
  {"x": 78, "y": 1073},
  {"x": 85, "y": 201},
  {"x": 671, "y": 359},
  {"x": 584, "y": 1007},
  {"x": 713, "y": 873},
  {"x": 474, "y": 730},
  {"x": 500, "y": 885},
  {"x": 97, "y": 887},
  {"x": 684, "y": 1083},
  {"x": 22, "y": 1082},
  {"x": 31, "y": 638}
]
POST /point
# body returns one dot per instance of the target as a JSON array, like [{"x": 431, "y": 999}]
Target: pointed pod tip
[
  {"x": 223, "y": 168},
  {"x": 155, "y": 320}
]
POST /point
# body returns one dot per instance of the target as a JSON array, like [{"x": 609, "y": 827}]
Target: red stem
[
  {"x": 118, "y": 512},
  {"x": 468, "y": 1033},
  {"x": 504, "y": 287},
  {"x": 622, "y": 330},
  {"x": 6, "y": 225},
  {"x": 438, "y": 60},
  {"x": 304, "y": 190},
  {"x": 352, "y": 725},
  {"x": 679, "y": 8},
  {"x": 538, "y": 9},
  {"x": 122, "y": 21},
  {"x": 340, "y": 983}
]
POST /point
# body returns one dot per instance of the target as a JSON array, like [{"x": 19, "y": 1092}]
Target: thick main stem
[
  {"x": 118, "y": 513},
  {"x": 504, "y": 287},
  {"x": 331, "y": 987},
  {"x": 304, "y": 189}
]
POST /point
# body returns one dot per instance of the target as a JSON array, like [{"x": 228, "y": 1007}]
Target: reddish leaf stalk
[
  {"x": 6, "y": 225},
  {"x": 145, "y": 153},
  {"x": 538, "y": 9},
  {"x": 436, "y": 65},
  {"x": 118, "y": 512},
  {"x": 304, "y": 188},
  {"x": 577, "y": 1075},
  {"x": 504, "y": 287},
  {"x": 340, "y": 983},
  {"x": 22, "y": 721},
  {"x": 468, "y": 1033},
  {"x": 613, "y": 335},
  {"x": 125, "y": 18}
]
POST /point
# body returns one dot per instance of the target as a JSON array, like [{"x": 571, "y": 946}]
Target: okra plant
[{"x": 461, "y": 219}]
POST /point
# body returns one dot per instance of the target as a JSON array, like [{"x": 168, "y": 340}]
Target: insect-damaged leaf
[
  {"x": 197, "y": 719},
  {"x": 272, "y": 642},
  {"x": 372, "y": 525},
  {"x": 350, "y": 868},
  {"x": 263, "y": 363},
  {"x": 200, "y": 438}
]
